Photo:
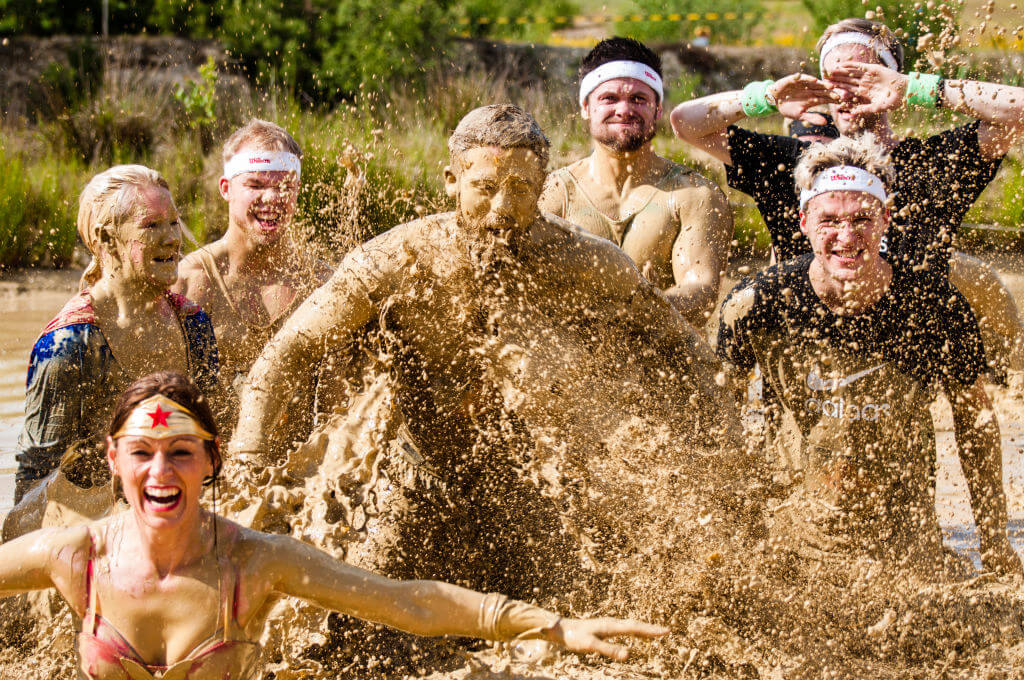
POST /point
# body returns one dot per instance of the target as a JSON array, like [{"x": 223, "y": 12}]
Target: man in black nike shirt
[
  {"x": 937, "y": 178},
  {"x": 854, "y": 348}
]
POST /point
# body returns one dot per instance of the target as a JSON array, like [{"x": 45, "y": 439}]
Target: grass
[{"x": 369, "y": 164}]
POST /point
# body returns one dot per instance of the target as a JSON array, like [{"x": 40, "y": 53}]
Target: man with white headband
[
  {"x": 854, "y": 349},
  {"x": 674, "y": 223},
  {"x": 252, "y": 278},
  {"x": 861, "y": 61},
  {"x": 937, "y": 179}
]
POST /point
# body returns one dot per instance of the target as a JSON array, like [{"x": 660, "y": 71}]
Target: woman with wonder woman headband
[{"x": 169, "y": 589}]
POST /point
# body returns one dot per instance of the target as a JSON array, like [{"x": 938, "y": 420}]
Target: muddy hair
[
  {"x": 619, "y": 49},
  {"x": 109, "y": 201},
  {"x": 862, "y": 151},
  {"x": 178, "y": 389},
  {"x": 505, "y": 126},
  {"x": 874, "y": 29},
  {"x": 263, "y": 134}
]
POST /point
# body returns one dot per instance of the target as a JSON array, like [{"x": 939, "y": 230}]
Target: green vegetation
[{"x": 730, "y": 22}]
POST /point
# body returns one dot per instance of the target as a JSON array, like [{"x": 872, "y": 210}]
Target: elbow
[{"x": 680, "y": 125}]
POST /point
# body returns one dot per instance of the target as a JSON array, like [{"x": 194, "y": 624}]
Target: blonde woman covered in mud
[
  {"x": 169, "y": 589},
  {"x": 123, "y": 323},
  {"x": 853, "y": 348}
]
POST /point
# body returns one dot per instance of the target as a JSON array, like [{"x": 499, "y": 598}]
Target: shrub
[{"x": 38, "y": 204}]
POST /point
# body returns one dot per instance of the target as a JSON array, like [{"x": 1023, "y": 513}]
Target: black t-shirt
[
  {"x": 857, "y": 387},
  {"x": 938, "y": 179}
]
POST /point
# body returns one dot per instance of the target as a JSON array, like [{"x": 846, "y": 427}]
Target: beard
[{"x": 627, "y": 141}]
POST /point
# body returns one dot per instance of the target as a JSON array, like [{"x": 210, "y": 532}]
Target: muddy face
[
  {"x": 162, "y": 478},
  {"x": 845, "y": 229},
  {"x": 148, "y": 248},
  {"x": 496, "y": 190},
  {"x": 261, "y": 204},
  {"x": 622, "y": 114}
]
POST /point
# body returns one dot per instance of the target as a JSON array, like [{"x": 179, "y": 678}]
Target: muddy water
[{"x": 29, "y": 300}]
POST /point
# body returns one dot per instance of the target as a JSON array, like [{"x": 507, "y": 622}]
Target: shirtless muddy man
[
  {"x": 673, "y": 222},
  {"x": 485, "y": 315}
]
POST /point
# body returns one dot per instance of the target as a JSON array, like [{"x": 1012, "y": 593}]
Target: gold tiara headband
[{"x": 159, "y": 418}]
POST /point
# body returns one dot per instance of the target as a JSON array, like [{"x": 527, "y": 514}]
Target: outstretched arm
[
  {"x": 977, "y": 438},
  {"x": 1000, "y": 108},
  {"x": 332, "y": 314},
  {"x": 433, "y": 607},
  {"x": 704, "y": 122}
]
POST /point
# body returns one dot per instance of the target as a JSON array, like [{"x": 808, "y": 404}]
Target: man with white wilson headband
[
  {"x": 674, "y": 223},
  {"x": 252, "y": 278},
  {"x": 853, "y": 349},
  {"x": 938, "y": 178}
]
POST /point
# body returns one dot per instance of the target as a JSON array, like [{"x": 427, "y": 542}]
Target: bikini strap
[{"x": 89, "y": 623}]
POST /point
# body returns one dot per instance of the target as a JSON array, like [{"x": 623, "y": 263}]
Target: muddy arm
[
  {"x": 699, "y": 254},
  {"x": 977, "y": 438},
  {"x": 44, "y": 559},
  {"x": 704, "y": 122},
  {"x": 329, "y": 317},
  {"x": 432, "y": 607}
]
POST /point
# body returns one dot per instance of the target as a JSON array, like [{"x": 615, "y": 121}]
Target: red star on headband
[{"x": 159, "y": 417}]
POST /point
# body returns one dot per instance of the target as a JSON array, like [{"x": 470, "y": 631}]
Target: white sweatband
[
  {"x": 844, "y": 178},
  {"x": 262, "y": 161},
  {"x": 855, "y": 38},
  {"x": 621, "y": 69}
]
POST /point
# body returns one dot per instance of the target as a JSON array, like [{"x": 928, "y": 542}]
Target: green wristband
[
  {"x": 923, "y": 89},
  {"x": 755, "y": 99}
]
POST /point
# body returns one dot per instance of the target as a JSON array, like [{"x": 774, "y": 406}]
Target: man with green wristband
[{"x": 937, "y": 180}]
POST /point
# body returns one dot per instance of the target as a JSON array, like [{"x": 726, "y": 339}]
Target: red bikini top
[{"x": 104, "y": 654}]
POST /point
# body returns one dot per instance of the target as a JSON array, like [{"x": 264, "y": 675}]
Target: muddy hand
[
  {"x": 799, "y": 92},
  {"x": 869, "y": 88},
  {"x": 588, "y": 635}
]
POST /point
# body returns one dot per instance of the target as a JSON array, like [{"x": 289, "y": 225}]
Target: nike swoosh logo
[{"x": 815, "y": 382}]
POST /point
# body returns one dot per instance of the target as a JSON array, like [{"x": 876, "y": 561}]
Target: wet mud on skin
[{"x": 658, "y": 532}]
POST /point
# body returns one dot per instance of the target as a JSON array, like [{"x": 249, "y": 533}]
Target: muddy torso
[
  {"x": 647, "y": 223},
  {"x": 469, "y": 324},
  {"x": 245, "y": 314}
]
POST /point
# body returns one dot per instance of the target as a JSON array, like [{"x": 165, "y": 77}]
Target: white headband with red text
[
  {"x": 621, "y": 69},
  {"x": 856, "y": 38},
  {"x": 262, "y": 161},
  {"x": 845, "y": 178}
]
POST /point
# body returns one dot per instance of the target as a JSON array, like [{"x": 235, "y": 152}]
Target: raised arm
[
  {"x": 1000, "y": 108},
  {"x": 704, "y": 122},
  {"x": 977, "y": 438},
  {"x": 331, "y": 315},
  {"x": 432, "y": 607},
  {"x": 700, "y": 253}
]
